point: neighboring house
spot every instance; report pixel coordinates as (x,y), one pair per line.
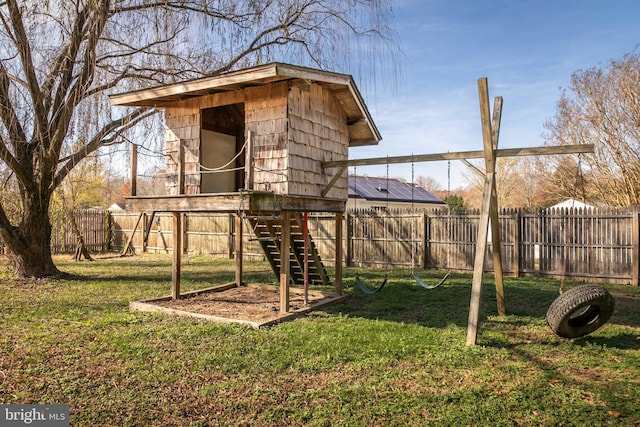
(367,192)
(116,207)
(572,204)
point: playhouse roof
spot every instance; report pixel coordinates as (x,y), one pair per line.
(388,189)
(362,129)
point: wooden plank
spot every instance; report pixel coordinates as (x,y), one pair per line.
(232,202)
(335,179)
(495,218)
(177,91)
(177,255)
(285,243)
(483,224)
(458,155)
(128,246)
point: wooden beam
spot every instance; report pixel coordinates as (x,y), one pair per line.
(458,155)
(147,231)
(285,243)
(333,181)
(177,255)
(233,202)
(496,239)
(473,167)
(483,224)
(128,247)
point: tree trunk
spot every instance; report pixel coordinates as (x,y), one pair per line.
(30,245)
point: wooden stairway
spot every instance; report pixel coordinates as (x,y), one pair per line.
(267,232)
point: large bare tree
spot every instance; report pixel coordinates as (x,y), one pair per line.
(58,59)
(602,107)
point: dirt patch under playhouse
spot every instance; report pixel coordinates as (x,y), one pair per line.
(255,305)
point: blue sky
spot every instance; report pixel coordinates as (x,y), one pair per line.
(527,49)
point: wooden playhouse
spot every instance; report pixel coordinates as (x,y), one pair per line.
(253,143)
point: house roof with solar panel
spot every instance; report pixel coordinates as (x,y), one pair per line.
(367,192)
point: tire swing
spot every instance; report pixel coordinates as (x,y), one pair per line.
(583,309)
(580,311)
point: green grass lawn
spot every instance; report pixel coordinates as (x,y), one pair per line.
(396,358)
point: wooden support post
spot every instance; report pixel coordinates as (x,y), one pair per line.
(238,250)
(305,256)
(147,231)
(483,224)
(338,268)
(145,227)
(134,170)
(128,246)
(495,217)
(177,255)
(285,248)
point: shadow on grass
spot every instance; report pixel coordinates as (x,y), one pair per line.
(403,300)
(625,340)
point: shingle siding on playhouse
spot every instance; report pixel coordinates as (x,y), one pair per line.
(298,118)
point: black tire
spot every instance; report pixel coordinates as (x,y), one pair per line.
(580,311)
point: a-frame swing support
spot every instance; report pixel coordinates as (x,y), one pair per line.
(489,210)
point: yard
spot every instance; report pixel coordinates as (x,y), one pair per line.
(394,358)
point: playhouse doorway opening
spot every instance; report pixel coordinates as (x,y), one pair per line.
(221,141)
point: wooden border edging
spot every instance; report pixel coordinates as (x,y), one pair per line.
(148,305)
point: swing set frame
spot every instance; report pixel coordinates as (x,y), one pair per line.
(489,209)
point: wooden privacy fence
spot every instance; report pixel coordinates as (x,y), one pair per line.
(95,227)
(601,245)
(598,244)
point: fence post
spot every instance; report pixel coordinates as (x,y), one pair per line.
(635,273)
(423,258)
(338,256)
(108,223)
(516,243)
(349,237)
(231,240)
